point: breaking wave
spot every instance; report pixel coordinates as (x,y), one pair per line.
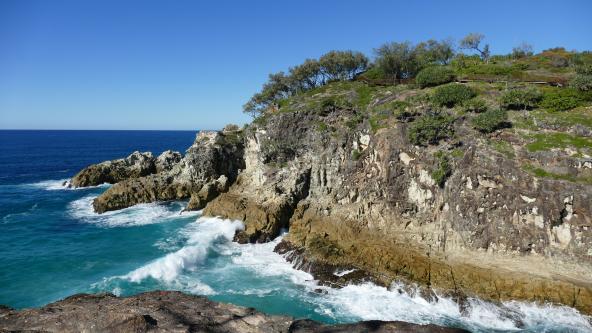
(60,184)
(187,267)
(137,215)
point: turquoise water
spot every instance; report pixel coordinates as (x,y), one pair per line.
(54,245)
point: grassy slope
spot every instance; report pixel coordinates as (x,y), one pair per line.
(537,130)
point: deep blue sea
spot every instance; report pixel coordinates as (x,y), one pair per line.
(53,245)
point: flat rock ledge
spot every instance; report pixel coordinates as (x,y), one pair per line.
(172,311)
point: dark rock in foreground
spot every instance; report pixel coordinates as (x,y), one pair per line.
(171,311)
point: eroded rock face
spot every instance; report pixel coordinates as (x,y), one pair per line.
(356,198)
(492,230)
(171,311)
(135,165)
(212,155)
(167,159)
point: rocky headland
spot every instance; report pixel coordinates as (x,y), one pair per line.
(355,193)
(469,178)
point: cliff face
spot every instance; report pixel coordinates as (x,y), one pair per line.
(492,230)
(169,311)
(354,192)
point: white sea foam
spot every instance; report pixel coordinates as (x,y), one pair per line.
(58,184)
(206,232)
(51,185)
(344,272)
(353,302)
(137,215)
(261,259)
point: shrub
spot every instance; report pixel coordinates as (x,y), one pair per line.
(443,169)
(452,94)
(561,100)
(430,129)
(434,76)
(521,99)
(400,109)
(476,105)
(490,121)
(582,82)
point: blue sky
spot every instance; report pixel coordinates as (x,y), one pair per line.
(193,64)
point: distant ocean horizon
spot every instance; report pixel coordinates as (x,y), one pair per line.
(53,245)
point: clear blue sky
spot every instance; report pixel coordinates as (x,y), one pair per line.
(192,64)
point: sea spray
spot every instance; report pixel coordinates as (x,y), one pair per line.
(208,231)
(137,215)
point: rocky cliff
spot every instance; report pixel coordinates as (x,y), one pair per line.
(506,215)
(162,311)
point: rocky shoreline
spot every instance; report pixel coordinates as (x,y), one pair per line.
(170,311)
(366,199)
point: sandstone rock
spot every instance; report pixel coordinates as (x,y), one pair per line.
(212,155)
(171,311)
(135,165)
(207,193)
(381,214)
(166,160)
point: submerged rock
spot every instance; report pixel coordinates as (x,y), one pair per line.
(171,311)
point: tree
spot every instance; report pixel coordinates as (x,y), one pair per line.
(433,52)
(522,51)
(473,41)
(307,75)
(396,60)
(342,65)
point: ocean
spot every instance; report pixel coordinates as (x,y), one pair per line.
(53,245)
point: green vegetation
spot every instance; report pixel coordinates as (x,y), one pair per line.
(473,41)
(333,66)
(398,61)
(583,79)
(399,109)
(430,129)
(475,105)
(490,121)
(561,99)
(452,94)
(350,91)
(542,173)
(443,168)
(502,147)
(546,141)
(355,155)
(522,51)
(434,76)
(581,116)
(521,99)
